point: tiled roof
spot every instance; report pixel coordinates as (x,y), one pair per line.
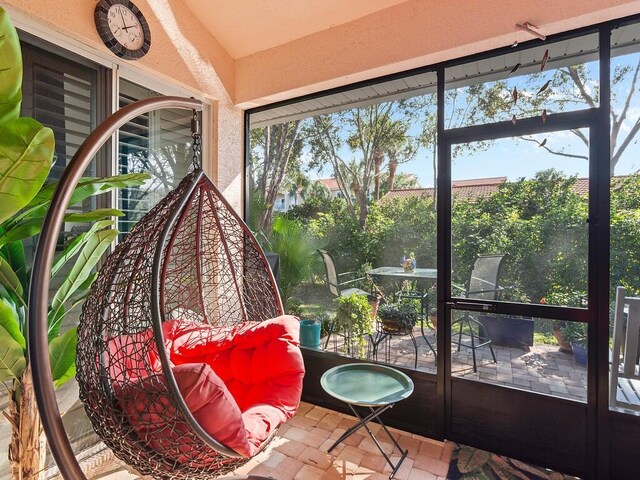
(472,189)
(468,189)
(330,183)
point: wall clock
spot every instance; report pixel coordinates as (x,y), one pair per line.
(123,28)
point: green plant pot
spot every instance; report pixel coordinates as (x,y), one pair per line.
(310,334)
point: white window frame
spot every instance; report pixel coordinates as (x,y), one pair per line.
(132,72)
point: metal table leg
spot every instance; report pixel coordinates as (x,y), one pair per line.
(362,422)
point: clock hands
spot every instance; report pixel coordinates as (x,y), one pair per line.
(124,23)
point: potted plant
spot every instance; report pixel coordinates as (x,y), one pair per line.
(397,318)
(354,320)
(576,334)
(28,152)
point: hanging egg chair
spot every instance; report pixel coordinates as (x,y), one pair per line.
(185,362)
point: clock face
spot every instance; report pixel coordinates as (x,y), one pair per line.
(123,28)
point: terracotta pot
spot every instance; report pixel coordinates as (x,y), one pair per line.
(392,327)
(433,318)
(564,345)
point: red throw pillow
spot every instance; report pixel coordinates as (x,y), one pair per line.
(207,398)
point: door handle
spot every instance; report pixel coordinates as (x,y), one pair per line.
(477,307)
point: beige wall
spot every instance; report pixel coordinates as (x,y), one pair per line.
(182,51)
(411,34)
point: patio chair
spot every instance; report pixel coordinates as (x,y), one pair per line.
(624,384)
(340,284)
(482,285)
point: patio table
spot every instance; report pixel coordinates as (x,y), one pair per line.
(375,387)
(421,276)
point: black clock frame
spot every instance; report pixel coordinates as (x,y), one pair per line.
(102,26)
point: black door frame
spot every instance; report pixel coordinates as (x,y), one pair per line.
(597,313)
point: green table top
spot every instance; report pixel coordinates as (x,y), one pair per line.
(366,384)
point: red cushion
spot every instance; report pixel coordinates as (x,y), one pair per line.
(260,362)
(255,368)
(206,397)
(133,357)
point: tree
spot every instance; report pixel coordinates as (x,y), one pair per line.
(374,134)
(470,105)
(575,86)
(275,153)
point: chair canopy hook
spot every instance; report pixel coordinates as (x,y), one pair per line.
(197,141)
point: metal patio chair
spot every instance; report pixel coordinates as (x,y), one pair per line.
(467,331)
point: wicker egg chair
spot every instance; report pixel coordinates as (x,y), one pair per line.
(190,261)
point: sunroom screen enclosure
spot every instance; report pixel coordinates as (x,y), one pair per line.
(502,154)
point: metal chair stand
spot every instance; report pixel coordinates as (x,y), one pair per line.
(476,341)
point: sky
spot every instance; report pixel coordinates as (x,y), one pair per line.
(516,158)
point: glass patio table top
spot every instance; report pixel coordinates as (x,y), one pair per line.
(366,384)
(399,272)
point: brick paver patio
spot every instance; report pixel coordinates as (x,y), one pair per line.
(540,368)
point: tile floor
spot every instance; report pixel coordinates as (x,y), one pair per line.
(300,452)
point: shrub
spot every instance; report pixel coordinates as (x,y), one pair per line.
(353,317)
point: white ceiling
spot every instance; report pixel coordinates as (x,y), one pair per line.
(244,27)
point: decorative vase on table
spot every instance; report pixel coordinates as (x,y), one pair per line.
(409,262)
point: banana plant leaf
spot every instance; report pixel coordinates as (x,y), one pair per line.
(89,256)
(55,318)
(12,359)
(10,69)
(13,253)
(76,244)
(32,226)
(10,321)
(62,356)
(9,280)
(89,186)
(26,153)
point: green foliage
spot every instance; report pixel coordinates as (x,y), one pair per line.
(10,69)
(26,154)
(539,223)
(62,357)
(12,357)
(353,316)
(312,207)
(625,232)
(297,250)
(576,333)
(293,306)
(404,315)
(26,148)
